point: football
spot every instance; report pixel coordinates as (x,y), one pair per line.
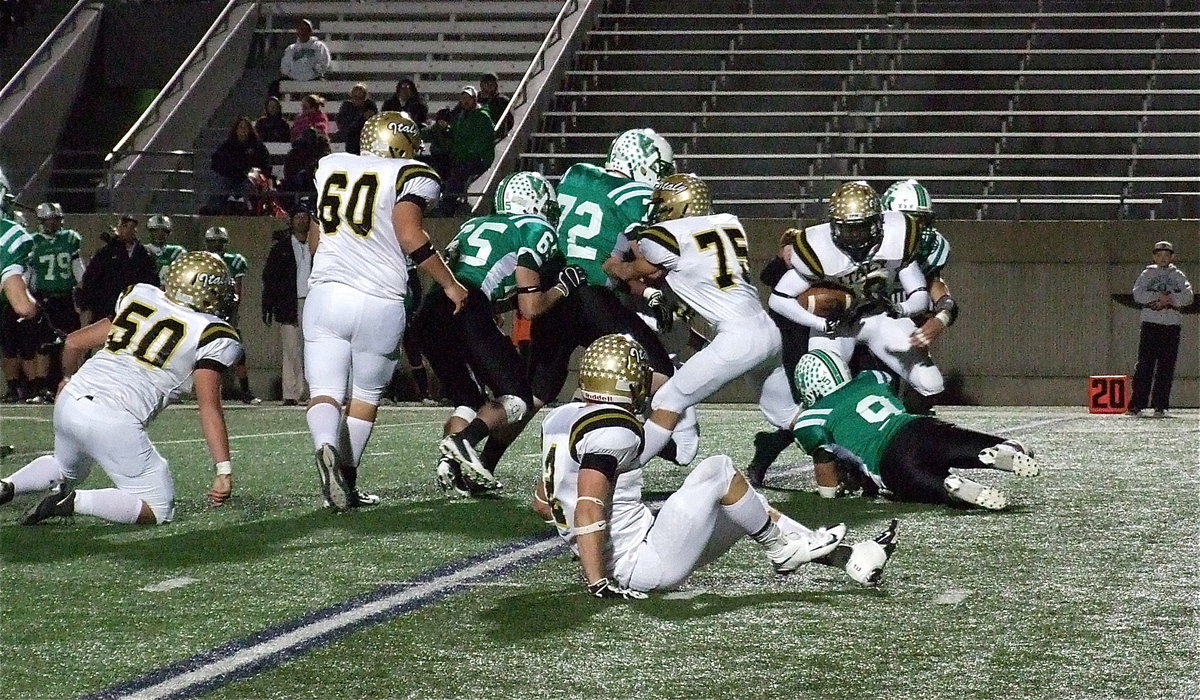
(826,300)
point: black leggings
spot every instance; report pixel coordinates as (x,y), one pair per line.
(920,457)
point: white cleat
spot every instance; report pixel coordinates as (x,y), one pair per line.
(801,548)
(1010,456)
(975,493)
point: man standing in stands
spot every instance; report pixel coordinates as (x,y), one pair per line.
(122,263)
(472,148)
(494,104)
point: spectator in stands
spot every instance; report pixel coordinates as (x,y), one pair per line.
(233,159)
(301,165)
(306,59)
(437,135)
(352,115)
(272,126)
(120,264)
(494,103)
(472,149)
(1162,289)
(408,100)
(285,286)
(312,114)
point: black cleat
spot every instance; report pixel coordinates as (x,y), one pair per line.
(59,504)
(6,492)
(334,489)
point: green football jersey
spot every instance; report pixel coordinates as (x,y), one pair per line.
(15,246)
(236,262)
(933,252)
(863,416)
(52,262)
(167,254)
(488,249)
(597,207)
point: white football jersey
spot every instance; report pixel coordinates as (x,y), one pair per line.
(706,259)
(358,245)
(816,257)
(575,429)
(150,353)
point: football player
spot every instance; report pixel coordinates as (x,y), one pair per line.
(591,491)
(866,250)
(216,240)
(370,210)
(55,270)
(705,258)
(909,455)
(495,258)
(164,253)
(932,254)
(16,304)
(159,342)
(599,208)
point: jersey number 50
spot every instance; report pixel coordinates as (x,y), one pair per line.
(156,345)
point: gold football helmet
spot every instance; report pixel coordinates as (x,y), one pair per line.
(200,280)
(856,219)
(678,196)
(391,135)
(613,369)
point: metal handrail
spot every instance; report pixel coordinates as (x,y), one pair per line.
(173,85)
(41,54)
(538,61)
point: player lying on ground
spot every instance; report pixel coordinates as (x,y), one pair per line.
(591,490)
(910,456)
(157,342)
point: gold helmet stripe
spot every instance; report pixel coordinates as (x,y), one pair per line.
(801,247)
(662,237)
(912,236)
(412,170)
(604,418)
(217,331)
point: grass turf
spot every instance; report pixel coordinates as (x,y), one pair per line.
(1085,588)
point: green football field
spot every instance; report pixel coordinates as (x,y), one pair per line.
(1085,588)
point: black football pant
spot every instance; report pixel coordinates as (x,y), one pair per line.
(1158,348)
(920,457)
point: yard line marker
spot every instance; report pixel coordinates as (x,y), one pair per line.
(295,432)
(276,645)
(170,584)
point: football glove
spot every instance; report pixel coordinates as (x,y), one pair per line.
(662,308)
(604,588)
(571,278)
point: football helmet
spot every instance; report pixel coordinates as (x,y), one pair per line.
(159,227)
(526,193)
(391,135)
(216,238)
(48,210)
(910,197)
(856,219)
(818,374)
(200,280)
(641,155)
(678,196)
(613,369)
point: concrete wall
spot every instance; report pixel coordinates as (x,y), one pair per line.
(1037,315)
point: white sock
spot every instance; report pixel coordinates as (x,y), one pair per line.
(38,475)
(787,524)
(750,515)
(360,432)
(657,438)
(687,436)
(324,420)
(114,505)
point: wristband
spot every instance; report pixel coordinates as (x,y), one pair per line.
(827,491)
(650,292)
(422,253)
(944,317)
(224,468)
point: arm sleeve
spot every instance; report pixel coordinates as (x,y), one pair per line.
(224,351)
(419,182)
(323,60)
(773,271)
(912,278)
(285,63)
(811,433)
(783,301)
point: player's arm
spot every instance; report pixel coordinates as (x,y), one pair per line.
(532,300)
(597,476)
(912,279)
(783,302)
(635,269)
(80,343)
(945,312)
(314,236)
(207,378)
(17,293)
(414,241)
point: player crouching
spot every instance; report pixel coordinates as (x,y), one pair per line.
(146,355)
(591,489)
(860,438)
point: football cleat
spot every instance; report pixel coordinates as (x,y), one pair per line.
(7,491)
(450,478)
(974,493)
(801,548)
(867,559)
(358,499)
(336,492)
(471,467)
(1010,456)
(59,504)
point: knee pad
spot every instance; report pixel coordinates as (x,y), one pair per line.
(370,396)
(926,379)
(716,468)
(466,413)
(514,407)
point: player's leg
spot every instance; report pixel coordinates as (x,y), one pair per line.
(1167,346)
(1143,373)
(327,326)
(888,339)
(29,340)
(69,459)
(916,465)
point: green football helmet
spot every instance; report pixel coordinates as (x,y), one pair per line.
(818,374)
(526,193)
(641,155)
(910,197)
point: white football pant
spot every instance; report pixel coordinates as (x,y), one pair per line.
(350,338)
(888,339)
